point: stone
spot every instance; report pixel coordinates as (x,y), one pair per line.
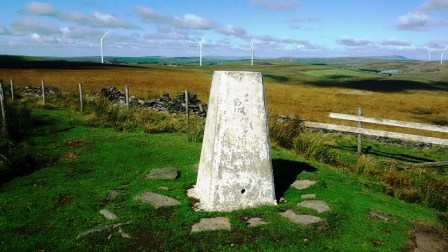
(301,219)
(156,200)
(235,169)
(113,194)
(102,228)
(303,184)
(318,205)
(108,214)
(375,214)
(163,173)
(211,224)
(256,221)
(308,196)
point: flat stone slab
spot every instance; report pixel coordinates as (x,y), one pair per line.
(301,219)
(163,173)
(108,214)
(156,200)
(308,196)
(303,184)
(211,224)
(375,214)
(318,205)
(256,221)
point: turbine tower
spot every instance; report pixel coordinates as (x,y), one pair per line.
(441,56)
(429,53)
(252,48)
(200,51)
(101,46)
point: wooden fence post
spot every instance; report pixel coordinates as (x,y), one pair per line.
(127,95)
(186,106)
(3,107)
(359,134)
(12,91)
(80,97)
(43,92)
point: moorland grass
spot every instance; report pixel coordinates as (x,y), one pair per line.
(49,208)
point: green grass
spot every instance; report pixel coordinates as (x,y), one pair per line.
(48,209)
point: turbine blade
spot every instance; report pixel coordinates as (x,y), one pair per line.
(105,34)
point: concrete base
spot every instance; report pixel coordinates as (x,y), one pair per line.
(235,169)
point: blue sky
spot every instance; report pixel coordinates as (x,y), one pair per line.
(280,28)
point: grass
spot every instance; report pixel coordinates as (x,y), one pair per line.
(48,209)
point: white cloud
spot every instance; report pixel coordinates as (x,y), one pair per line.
(150,16)
(232,30)
(96,20)
(39,8)
(350,41)
(274,4)
(431,5)
(191,21)
(25,27)
(416,21)
(188,21)
(395,42)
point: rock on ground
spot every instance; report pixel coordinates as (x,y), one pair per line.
(253,222)
(163,173)
(210,224)
(318,205)
(108,214)
(308,196)
(156,200)
(301,219)
(303,184)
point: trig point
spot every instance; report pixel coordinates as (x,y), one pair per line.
(235,169)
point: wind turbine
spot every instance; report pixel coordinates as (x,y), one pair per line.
(101,45)
(252,48)
(429,53)
(441,56)
(200,51)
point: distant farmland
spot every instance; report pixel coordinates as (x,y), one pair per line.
(309,91)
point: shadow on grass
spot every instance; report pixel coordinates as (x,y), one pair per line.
(400,157)
(279,78)
(382,85)
(286,172)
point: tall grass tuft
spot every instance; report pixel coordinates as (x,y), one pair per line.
(314,146)
(283,131)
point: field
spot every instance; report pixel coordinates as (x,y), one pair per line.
(53,208)
(310,91)
(70,161)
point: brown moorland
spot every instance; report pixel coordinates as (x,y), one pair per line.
(310,92)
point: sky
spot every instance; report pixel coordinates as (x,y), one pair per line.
(279,28)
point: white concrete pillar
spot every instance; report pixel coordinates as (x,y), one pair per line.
(235,169)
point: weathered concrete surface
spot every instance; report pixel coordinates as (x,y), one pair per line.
(235,169)
(210,224)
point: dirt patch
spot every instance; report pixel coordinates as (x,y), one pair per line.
(428,238)
(147,240)
(76,143)
(70,156)
(64,199)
